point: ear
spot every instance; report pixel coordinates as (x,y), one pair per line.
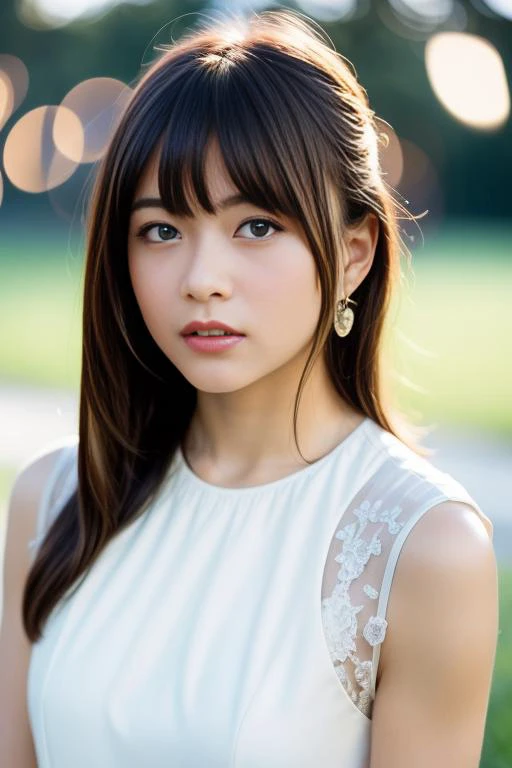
(360,241)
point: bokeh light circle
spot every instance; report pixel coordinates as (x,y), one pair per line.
(32,162)
(426,11)
(329,10)
(501,7)
(391,157)
(6,98)
(14,72)
(68,134)
(467,75)
(53,14)
(99,104)
(420,186)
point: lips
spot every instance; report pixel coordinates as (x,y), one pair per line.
(212,344)
(209,326)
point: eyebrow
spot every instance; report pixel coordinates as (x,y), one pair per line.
(156,202)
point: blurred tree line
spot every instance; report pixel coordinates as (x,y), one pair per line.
(473,167)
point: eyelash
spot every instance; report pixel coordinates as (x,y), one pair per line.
(143,231)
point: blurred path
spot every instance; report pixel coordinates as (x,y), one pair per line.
(483,464)
(32,418)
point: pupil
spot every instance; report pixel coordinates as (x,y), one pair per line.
(259,227)
(165,232)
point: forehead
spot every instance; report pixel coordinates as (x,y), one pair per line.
(217,179)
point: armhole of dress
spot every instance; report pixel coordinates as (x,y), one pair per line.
(452,491)
(57,490)
(361,563)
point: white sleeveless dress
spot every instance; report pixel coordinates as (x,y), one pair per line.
(233,628)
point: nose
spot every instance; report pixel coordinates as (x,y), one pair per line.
(206,273)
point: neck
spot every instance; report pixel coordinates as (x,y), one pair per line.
(246,437)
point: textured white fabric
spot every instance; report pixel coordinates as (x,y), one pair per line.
(233,628)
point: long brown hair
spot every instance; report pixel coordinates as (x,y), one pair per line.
(298,137)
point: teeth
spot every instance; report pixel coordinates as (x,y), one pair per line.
(213,332)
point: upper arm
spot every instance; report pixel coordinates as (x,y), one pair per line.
(16,745)
(438,656)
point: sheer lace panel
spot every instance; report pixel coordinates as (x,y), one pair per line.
(358,572)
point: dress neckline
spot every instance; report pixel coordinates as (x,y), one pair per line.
(300,474)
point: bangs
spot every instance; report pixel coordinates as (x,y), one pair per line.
(265,135)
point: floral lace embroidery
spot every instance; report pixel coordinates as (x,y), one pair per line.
(370,591)
(339,615)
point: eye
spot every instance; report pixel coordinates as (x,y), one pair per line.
(258,228)
(158,233)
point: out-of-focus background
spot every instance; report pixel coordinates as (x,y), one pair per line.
(438,74)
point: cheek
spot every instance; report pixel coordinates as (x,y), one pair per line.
(289,291)
(152,290)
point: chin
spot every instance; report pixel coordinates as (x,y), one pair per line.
(216,382)
(217,386)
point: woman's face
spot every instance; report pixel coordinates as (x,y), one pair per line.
(242,267)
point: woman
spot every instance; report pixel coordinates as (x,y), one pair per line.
(242,563)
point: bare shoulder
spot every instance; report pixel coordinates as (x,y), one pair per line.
(32,479)
(438,656)
(24,503)
(16,743)
(26,496)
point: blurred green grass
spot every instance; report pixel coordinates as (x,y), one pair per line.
(453,323)
(456,318)
(40,307)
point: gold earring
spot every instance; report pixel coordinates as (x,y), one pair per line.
(343,317)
